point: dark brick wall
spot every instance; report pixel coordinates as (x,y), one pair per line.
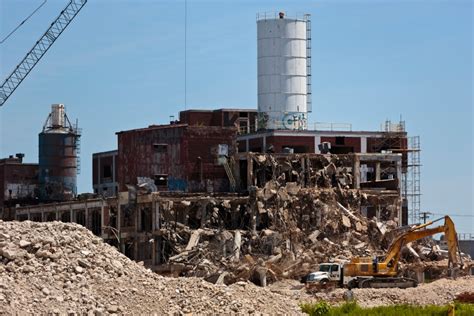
(299,143)
(190,151)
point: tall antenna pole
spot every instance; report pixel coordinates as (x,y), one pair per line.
(185,52)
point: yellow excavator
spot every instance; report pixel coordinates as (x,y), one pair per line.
(365,272)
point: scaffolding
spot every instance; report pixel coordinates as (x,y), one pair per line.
(393,141)
(412,188)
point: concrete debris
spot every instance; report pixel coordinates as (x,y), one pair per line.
(346,221)
(91,277)
(289,246)
(292,219)
(282,230)
(439,292)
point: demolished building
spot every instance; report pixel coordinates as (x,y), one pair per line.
(289,200)
(239,194)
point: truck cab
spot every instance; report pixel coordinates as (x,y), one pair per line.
(327,272)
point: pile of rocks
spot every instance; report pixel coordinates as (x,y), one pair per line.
(61,268)
(304,228)
(439,292)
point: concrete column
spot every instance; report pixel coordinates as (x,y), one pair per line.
(135,248)
(363,145)
(264,140)
(400,203)
(399,174)
(119,217)
(253,209)
(156,216)
(153,252)
(317,141)
(138,218)
(87,222)
(377,171)
(249,171)
(303,171)
(356,172)
(71,214)
(247,145)
(102,224)
(237,242)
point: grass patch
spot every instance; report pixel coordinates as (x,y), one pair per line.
(322,308)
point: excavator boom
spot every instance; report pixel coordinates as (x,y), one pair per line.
(368,272)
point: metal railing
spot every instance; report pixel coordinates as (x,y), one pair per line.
(270,15)
(247,129)
(465,236)
(388,126)
(329,126)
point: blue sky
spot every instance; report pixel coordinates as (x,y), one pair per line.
(120,65)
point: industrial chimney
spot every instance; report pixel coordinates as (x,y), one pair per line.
(284,71)
(58,156)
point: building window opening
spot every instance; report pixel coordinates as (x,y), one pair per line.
(160,148)
(340,140)
(96,222)
(81,218)
(161,180)
(107,171)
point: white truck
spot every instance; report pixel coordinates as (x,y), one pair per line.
(327,274)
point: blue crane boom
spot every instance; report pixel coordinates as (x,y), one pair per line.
(40,48)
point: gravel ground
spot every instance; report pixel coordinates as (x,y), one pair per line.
(63,268)
(439,292)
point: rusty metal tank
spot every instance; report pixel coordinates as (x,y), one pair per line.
(58,157)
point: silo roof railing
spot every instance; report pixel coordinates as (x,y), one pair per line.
(271,15)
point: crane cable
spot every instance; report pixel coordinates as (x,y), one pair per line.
(26,19)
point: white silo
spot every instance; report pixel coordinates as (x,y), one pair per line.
(284,92)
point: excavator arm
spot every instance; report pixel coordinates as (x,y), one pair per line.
(369,272)
(419,232)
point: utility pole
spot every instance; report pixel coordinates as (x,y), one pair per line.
(424,216)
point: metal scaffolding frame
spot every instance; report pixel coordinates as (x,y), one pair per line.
(412,180)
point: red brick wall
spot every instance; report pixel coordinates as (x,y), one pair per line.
(95,169)
(353,142)
(138,158)
(279,142)
(196,118)
(215,118)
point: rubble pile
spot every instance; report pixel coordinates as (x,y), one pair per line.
(281,231)
(286,231)
(62,268)
(438,292)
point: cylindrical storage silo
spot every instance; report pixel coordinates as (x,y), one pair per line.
(282,73)
(58,158)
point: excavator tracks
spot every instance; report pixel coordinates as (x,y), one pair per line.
(402,283)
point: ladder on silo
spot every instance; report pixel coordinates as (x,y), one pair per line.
(309,104)
(78,132)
